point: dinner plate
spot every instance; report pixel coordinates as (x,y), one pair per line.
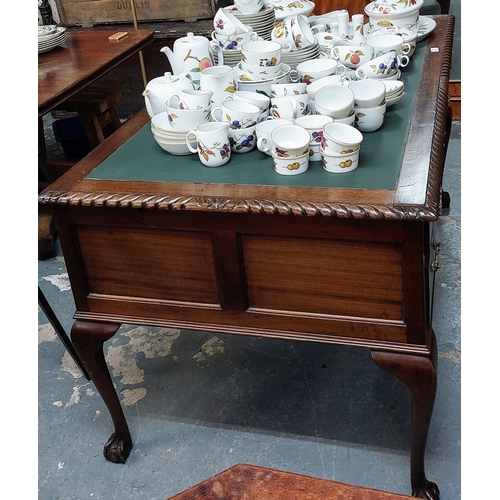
(59,30)
(426,25)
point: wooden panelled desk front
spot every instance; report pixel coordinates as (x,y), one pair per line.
(349,259)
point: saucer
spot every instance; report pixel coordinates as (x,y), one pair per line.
(426,25)
(285,8)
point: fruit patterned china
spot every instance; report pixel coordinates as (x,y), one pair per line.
(212,143)
(291,166)
(401,13)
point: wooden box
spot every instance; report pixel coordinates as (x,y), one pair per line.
(91,12)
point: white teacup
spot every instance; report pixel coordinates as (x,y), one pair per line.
(314,69)
(191,99)
(261,53)
(327,80)
(290,141)
(351,56)
(340,163)
(212,143)
(370,119)
(242,140)
(238,114)
(183,120)
(368,92)
(285,89)
(289,107)
(291,166)
(226,24)
(314,125)
(234,42)
(336,101)
(263,131)
(248,7)
(384,43)
(259,100)
(382,66)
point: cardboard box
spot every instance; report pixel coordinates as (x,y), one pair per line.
(92,12)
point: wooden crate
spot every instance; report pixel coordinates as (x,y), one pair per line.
(92,12)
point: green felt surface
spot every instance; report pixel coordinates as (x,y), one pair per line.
(381,153)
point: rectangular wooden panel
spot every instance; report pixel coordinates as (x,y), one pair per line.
(148,263)
(333,277)
(90,12)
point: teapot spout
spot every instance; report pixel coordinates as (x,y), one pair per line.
(174,61)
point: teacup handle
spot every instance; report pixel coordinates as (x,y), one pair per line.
(341,69)
(228,98)
(359,74)
(286,48)
(403,61)
(334,53)
(170,103)
(262,144)
(212,113)
(188,142)
(318,28)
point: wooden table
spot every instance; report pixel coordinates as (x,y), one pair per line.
(348,259)
(82,59)
(243,481)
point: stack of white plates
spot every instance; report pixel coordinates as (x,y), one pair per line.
(230,57)
(295,57)
(394,91)
(167,138)
(262,22)
(50,37)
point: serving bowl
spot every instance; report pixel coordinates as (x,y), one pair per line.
(383,13)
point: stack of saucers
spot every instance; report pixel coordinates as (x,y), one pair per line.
(262,22)
(229,57)
(50,37)
(294,57)
(394,91)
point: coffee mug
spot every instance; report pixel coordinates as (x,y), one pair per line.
(212,143)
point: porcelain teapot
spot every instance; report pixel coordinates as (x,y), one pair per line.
(159,90)
(191,54)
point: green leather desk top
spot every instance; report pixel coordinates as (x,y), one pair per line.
(381,154)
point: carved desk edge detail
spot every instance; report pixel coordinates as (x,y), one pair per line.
(438,152)
(254,206)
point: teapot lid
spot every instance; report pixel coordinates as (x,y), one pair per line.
(191,38)
(388,7)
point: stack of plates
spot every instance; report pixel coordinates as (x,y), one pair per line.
(295,57)
(50,37)
(167,138)
(230,57)
(262,23)
(394,91)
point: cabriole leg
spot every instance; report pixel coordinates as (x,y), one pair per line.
(88,339)
(419,374)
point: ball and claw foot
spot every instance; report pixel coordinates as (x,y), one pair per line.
(117,449)
(428,490)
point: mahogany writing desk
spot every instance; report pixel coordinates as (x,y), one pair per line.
(349,259)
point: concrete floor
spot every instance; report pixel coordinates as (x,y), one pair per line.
(197,403)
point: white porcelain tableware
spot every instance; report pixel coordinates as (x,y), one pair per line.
(350,55)
(248,6)
(289,141)
(291,166)
(368,92)
(212,143)
(327,80)
(183,120)
(340,164)
(314,125)
(259,100)
(340,138)
(242,140)
(220,80)
(191,99)
(226,23)
(336,101)
(238,114)
(309,71)
(389,13)
(369,119)
(234,42)
(261,53)
(385,42)
(285,89)
(263,131)
(380,67)
(289,107)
